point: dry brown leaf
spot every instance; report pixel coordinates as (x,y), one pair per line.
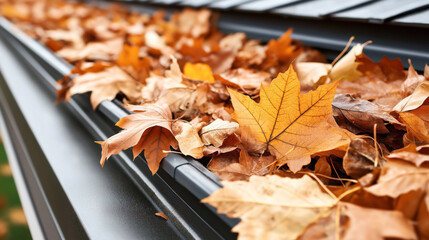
(310,73)
(417,122)
(348,221)
(217,131)
(292,125)
(73,38)
(248,80)
(156,85)
(347,67)
(415,100)
(361,158)
(148,129)
(252,53)
(104,85)
(271,207)
(360,115)
(194,22)
(411,153)
(373,89)
(408,186)
(104,51)
(190,143)
(413,80)
(228,167)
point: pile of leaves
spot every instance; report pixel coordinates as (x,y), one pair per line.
(306,149)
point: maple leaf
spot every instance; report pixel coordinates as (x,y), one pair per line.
(130,61)
(271,207)
(282,49)
(104,85)
(292,125)
(148,129)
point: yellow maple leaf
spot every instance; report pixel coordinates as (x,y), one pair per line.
(292,125)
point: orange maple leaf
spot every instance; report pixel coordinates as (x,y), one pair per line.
(198,71)
(292,125)
(149,129)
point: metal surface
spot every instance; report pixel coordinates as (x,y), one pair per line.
(263,5)
(226,4)
(74,198)
(380,11)
(420,18)
(192,219)
(319,8)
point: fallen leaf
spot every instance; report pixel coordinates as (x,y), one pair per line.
(292,125)
(148,129)
(104,85)
(417,122)
(323,169)
(160,214)
(361,158)
(248,80)
(226,166)
(373,89)
(348,221)
(282,50)
(194,22)
(104,51)
(217,131)
(386,70)
(310,73)
(347,67)
(415,100)
(361,115)
(412,153)
(252,53)
(198,71)
(190,143)
(408,185)
(413,80)
(271,207)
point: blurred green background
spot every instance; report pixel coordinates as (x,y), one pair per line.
(13,224)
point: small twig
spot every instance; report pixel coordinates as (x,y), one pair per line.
(344,51)
(322,185)
(376,161)
(336,173)
(172,152)
(348,192)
